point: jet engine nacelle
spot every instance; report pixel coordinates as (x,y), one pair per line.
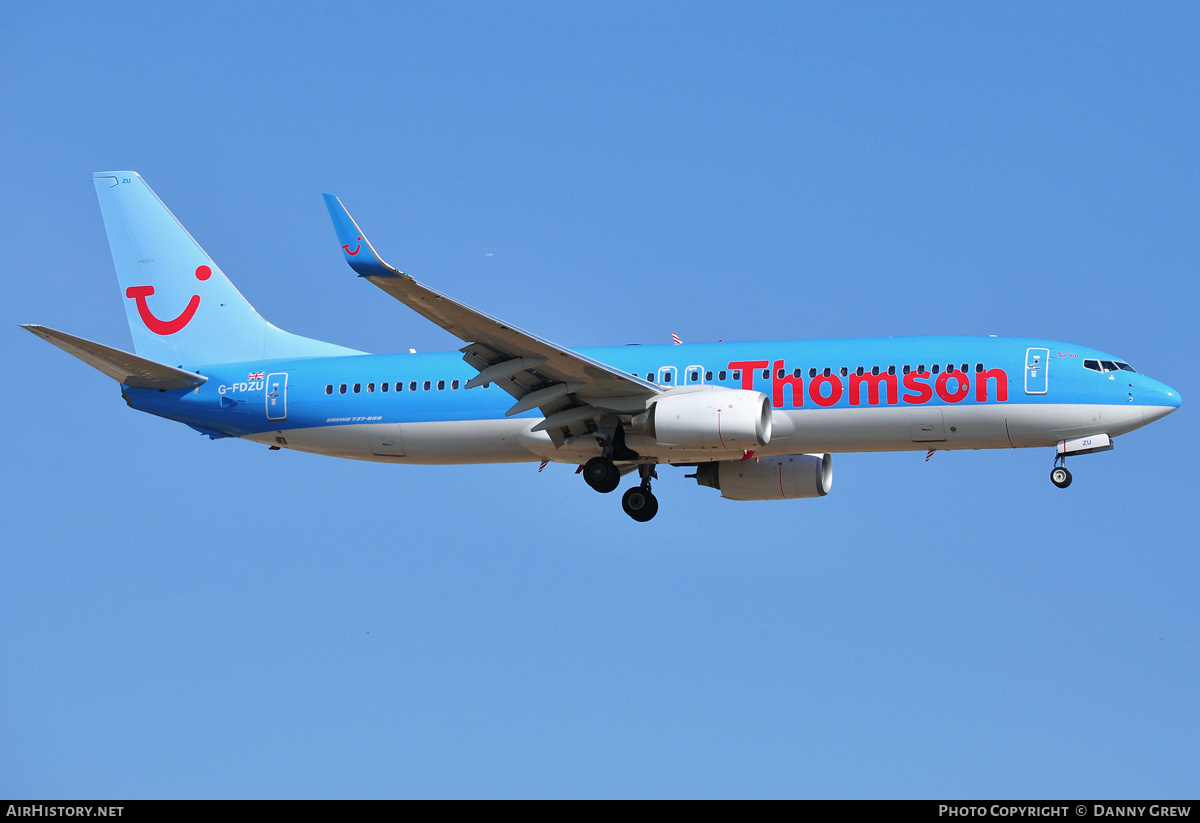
(720,419)
(770,478)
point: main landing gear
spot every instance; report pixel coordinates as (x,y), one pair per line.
(602,474)
(1059,475)
(639,502)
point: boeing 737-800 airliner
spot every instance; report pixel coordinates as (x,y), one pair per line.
(757,421)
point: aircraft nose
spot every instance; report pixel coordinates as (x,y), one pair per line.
(1160,401)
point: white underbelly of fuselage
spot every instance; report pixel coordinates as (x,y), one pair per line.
(796,432)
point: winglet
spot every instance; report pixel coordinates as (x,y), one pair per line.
(359,252)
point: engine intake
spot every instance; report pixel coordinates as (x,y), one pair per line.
(770,478)
(719,419)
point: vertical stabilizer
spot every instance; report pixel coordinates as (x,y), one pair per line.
(181,308)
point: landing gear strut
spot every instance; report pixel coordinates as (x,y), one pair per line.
(639,502)
(1059,475)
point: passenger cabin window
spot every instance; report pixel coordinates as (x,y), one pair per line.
(708,377)
(891,369)
(342,389)
(412,386)
(721,375)
(906,369)
(845,371)
(357,388)
(384,386)
(454,385)
(426,385)
(329,389)
(441,385)
(767,373)
(737,374)
(795,372)
(978,367)
(935,368)
(694,376)
(874,370)
(370,388)
(826,372)
(859,371)
(812,373)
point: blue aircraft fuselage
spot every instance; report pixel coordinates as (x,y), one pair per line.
(956,375)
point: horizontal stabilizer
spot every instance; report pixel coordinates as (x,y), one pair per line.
(123,367)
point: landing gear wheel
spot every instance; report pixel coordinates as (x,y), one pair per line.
(601,474)
(640,504)
(1060,477)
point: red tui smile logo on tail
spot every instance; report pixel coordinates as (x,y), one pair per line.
(165,327)
(357,248)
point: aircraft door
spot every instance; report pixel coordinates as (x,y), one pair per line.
(1037,365)
(277,396)
(666,377)
(693,376)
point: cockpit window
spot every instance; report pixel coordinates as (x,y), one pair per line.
(1106,366)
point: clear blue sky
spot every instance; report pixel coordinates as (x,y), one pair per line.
(180,617)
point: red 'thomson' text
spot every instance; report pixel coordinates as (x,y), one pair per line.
(873,389)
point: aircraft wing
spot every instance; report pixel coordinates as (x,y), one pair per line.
(566,386)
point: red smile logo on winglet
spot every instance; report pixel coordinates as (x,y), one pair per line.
(165,327)
(356,248)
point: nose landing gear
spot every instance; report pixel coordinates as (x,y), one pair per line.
(1091,444)
(1059,475)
